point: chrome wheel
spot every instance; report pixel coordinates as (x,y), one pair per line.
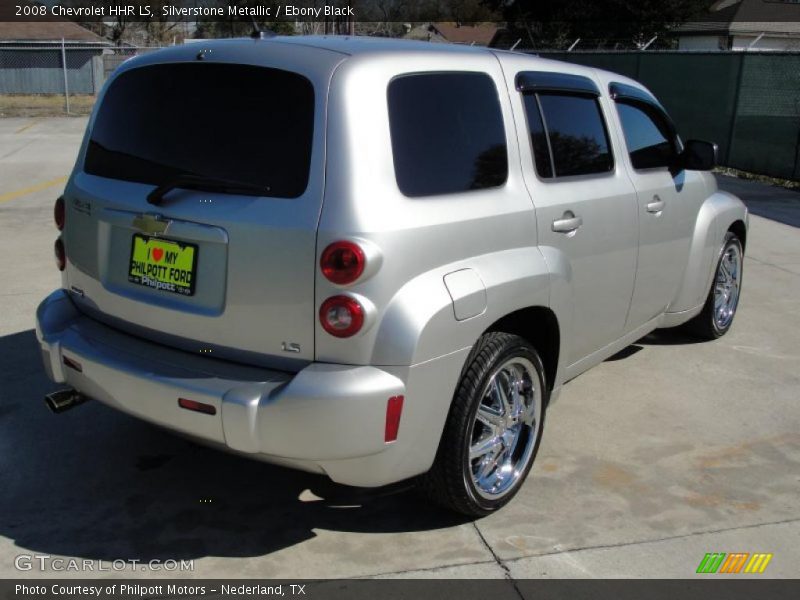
(493,429)
(726,286)
(506,427)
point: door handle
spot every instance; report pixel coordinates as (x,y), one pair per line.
(568,223)
(656,206)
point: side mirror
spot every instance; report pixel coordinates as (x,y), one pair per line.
(699,155)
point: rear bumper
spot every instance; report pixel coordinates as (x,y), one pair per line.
(326,418)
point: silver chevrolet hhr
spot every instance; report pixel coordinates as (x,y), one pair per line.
(372,259)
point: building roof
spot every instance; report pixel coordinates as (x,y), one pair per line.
(479,34)
(48,31)
(726,17)
(425,33)
(466,33)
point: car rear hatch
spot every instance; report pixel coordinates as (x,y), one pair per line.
(193,209)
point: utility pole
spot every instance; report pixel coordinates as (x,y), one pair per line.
(64,64)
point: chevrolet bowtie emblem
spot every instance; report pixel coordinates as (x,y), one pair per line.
(151,224)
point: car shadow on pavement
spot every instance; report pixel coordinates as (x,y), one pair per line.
(626,352)
(659,337)
(675,336)
(97,484)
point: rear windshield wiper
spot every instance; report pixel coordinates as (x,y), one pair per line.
(193,181)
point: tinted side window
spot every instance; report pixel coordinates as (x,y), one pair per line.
(447,133)
(647,135)
(577,134)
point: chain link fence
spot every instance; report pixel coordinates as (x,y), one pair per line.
(56,78)
(746,102)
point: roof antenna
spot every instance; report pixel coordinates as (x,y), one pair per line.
(260,34)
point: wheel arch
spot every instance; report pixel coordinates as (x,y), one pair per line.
(539,326)
(739,228)
(420,322)
(721,212)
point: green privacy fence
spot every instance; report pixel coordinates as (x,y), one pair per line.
(747,102)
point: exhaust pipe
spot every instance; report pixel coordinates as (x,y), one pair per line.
(63,400)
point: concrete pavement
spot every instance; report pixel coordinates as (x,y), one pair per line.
(667,451)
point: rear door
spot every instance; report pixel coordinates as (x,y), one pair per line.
(585,205)
(224,268)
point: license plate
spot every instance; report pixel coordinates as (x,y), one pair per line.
(163,264)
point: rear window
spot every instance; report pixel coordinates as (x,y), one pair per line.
(447,133)
(240,123)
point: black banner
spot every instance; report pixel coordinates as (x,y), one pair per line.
(394,589)
(605,13)
(88,11)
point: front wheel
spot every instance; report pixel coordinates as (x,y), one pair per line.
(494,427)
(723,298)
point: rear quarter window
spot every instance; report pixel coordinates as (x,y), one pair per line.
(447,133)
(241,123)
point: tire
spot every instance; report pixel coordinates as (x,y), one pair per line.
(507,432)
(718,312)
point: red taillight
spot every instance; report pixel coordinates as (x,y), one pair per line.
(59,213)
(342,262)
(196,406)
(341,316)
(61,255)
(394,408)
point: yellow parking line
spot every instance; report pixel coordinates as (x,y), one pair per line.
(28,126)
(31,189)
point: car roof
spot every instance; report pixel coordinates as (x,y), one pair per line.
(368,47)
(359,45)
(355,45)
(376,46)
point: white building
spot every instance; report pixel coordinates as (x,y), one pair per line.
(744,25)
